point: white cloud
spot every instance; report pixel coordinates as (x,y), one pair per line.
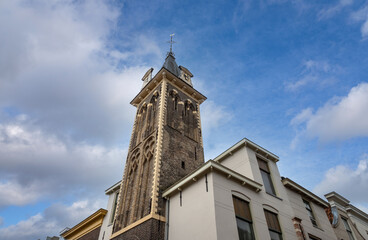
(314,73)
(212,115)
(340,118)
(351,183)
(362,16)
(333,10)
(57,66)
(51,221)
(35,165)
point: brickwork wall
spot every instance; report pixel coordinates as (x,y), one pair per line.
(297,223)
(135,193)
(149,230)
(181,153)
(93,235)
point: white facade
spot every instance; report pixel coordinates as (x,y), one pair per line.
(201,205)
(106,228)
(355,218)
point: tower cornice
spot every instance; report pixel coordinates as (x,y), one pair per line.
(157,79)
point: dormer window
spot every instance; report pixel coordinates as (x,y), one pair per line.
(185,74)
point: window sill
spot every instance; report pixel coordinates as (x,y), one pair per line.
(274,196)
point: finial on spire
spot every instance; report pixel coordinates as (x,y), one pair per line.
(171,43)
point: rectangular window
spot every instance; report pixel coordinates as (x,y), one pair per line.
(266,176)
(310,213)
(243,219)
(114,207)
(273,225)
(347,227)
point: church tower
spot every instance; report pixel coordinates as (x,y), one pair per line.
(166,144)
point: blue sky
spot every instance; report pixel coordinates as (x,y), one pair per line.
(289,75)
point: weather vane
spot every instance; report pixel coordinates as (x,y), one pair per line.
(171,41)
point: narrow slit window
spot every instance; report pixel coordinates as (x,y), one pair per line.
(182,164)
(195,153)
(181,199)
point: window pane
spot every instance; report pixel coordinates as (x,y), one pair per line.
(347,227)
(266,177)
(275,236)
(346,224)
(350,236)
(245,230)
(310,213)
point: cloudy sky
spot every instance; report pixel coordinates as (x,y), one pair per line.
(291,76)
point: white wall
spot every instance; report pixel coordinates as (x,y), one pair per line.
(106,228)
(195,219)
(239,162)
(361,225)
(324,230)
(225,216)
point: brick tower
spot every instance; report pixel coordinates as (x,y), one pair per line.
(166,144)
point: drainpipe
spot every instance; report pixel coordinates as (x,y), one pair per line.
(167,218)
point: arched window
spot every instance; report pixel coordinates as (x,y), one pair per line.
(243,218)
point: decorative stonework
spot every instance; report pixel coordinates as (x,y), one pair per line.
(157,164)
(166,144)
(297,222)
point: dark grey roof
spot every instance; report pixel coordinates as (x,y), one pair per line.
(171,65)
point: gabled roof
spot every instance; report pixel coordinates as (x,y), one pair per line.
(113,188)
(304,192)
(250,144)
(208,167)
(87,225)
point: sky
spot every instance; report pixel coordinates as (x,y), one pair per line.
(291,76)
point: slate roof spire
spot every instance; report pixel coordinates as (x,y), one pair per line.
(170,63)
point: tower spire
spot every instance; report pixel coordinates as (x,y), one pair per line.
(171,43)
